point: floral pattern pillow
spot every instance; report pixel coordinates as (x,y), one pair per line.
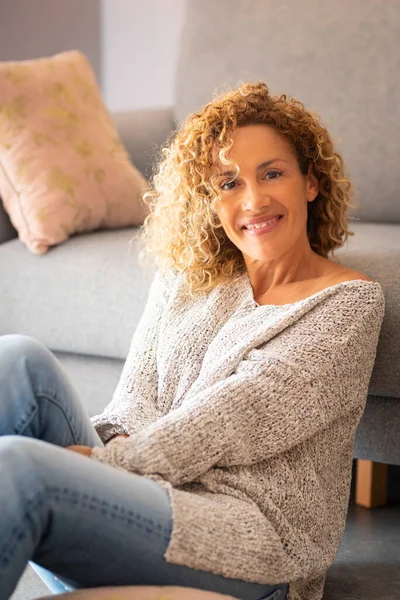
(63,169)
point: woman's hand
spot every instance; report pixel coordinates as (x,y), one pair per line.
(85,450)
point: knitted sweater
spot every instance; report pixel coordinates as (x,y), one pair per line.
(247,414)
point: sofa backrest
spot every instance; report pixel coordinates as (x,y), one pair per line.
(340,58)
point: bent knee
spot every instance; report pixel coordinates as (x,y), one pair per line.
(20,451)
(26,461)
(20,343)
(17,346)
(35,465)
(25,468)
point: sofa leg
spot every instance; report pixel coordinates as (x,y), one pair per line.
(371,483)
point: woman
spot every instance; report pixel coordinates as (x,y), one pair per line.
(229,439)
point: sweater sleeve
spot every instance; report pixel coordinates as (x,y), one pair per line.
(140,368)
(267,406)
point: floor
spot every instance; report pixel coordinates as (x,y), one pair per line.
(367,566)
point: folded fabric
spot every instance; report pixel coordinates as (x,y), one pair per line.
(63,169)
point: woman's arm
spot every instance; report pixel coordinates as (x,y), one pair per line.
(266,407)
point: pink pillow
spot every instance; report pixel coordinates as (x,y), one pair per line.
(63,169)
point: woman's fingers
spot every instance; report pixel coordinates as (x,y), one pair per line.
(85,450)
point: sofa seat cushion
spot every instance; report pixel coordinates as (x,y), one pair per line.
(85,296)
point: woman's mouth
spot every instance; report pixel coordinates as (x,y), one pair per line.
(260,228)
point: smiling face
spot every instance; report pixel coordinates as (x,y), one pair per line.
(269,183)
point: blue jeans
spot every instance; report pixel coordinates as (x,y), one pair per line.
(83,521)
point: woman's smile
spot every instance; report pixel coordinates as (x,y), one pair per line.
(262,228)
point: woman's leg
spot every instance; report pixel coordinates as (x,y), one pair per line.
(37,400)
(36,397)
(89,522)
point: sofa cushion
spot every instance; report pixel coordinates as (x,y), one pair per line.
(339,58)
(86,296)
(63,168)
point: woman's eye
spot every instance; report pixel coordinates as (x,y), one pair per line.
(232,184)
(277,173)
(227,185)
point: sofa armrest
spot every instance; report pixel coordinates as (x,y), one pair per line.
(143,132)
(7,231)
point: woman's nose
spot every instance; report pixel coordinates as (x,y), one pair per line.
(254,197)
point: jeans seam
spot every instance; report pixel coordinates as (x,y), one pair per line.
(19,430)
(18,533)
(55,402)
(87,501)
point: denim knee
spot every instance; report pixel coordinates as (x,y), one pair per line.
(19,344)
(18,454)
(22,482)
(25,476)
(23,505)
(24,354)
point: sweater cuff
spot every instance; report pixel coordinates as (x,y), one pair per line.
(105,429)
(133,454)
(114,454)
(107,454)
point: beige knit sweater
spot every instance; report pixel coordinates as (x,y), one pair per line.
(247,415)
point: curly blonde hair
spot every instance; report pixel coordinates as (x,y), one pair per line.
(182,230)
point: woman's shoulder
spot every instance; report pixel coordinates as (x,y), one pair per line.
(339,273)
(373,292)
(347,275)
(336,274)
(353,292)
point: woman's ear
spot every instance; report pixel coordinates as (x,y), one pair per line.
(311,185)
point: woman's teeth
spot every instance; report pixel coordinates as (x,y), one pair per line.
(261,225)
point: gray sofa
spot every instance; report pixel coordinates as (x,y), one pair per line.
(84,298)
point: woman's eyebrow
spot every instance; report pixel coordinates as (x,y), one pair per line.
(259,168)
(269,162)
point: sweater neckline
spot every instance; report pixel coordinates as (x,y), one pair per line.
(249,294)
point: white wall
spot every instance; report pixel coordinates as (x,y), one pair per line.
(35,28)
(139,49)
